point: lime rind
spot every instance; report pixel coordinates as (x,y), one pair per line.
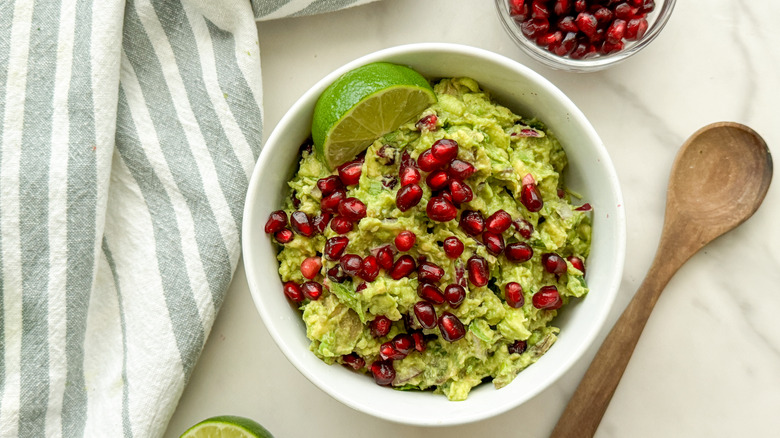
(227,426)
(364,104)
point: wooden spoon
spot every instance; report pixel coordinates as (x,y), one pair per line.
(718,180)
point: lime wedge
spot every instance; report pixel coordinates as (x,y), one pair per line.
(227,426)
(363,105)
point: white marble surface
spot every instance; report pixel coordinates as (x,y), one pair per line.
(708,363)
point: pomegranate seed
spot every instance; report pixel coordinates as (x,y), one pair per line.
(352,360)
(312,290)
(383,372)
(409,175)
(478,270)
(341,225)
(553,263)
(586,23)
(349,173)
(310,267)
(583,51)
(584,207)
(461,192)
(403,343)
(530,197)
(429,272)
(454,294)
(351,264)
(386,155)
(539,9)
(408,196)
(636,28)
(337,275)
(445,150)
(429,292)
(608,47)
(440,209)
(419,340)
(451,328)
(453,247)
(385,257)
(577,263)
(425,314)
(616,31)
(493,242)
(523,227)
(550,39)
(498,222)
(334,247)
(580,5)
(361,287)
(388,351)
(513,293)
(624,11)
(603,15)
(403,267)
(534,27)
(301,223)
(519,252)
(567,24)
(461,169)
(380,326)
(320,222)
(404,241)
(370,269)
(330,203)
(562,7)
(329,185)
(437,180)
(352,209)
(517,347)
(428,162)
(547,298)
(293,291)
(276,222)
(472,222)
(284,236)
(427,123)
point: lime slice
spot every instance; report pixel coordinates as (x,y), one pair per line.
(363,105)
(227,426)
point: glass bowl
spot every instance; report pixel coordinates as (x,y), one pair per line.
(656,21)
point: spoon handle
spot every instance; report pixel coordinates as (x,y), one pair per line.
(583,414)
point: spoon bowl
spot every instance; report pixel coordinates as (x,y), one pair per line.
(719,179)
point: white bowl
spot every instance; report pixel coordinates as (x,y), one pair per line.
(590,173)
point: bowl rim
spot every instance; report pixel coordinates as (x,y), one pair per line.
(581,65)
(265,159)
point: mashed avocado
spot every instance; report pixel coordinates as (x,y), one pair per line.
(507,152)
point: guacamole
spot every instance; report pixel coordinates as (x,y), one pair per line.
(518,254)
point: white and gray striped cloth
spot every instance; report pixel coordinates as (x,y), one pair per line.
(128,132)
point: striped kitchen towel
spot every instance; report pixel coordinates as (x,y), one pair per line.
(128,132)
